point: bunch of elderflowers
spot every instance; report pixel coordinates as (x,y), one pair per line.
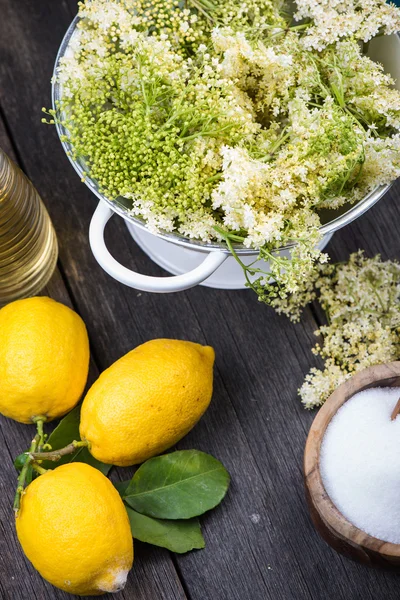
(331,20)
(223,121)
(186,24)
(149,124)
(361,299)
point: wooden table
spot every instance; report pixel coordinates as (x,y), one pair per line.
(261,544)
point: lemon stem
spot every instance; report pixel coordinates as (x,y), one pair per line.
(39,469)
(57,454)
(24,471)
(39,420)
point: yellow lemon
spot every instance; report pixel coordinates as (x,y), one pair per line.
(147,401)
(73,527)
(44,359)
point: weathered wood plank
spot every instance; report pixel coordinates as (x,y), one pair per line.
(275,425)
(261,357)
(5,142)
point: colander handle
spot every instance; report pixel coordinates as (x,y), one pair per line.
(135,280)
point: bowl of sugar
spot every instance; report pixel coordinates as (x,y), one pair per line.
(352,467)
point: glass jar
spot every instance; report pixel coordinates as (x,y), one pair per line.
(28,243)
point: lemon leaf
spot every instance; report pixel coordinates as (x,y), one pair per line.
(66,432)
(179,485)
(177,536)
(121,487)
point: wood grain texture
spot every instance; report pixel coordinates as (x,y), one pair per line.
(340,533)
(5,142)
(260,541)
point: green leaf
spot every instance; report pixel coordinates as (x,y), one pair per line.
(66,432)
(122,486)
(180,485)
(177,536)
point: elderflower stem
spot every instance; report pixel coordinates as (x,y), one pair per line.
(215,177)
(247,269)
(202,6)
(275,147)
(299,27)
(210,133)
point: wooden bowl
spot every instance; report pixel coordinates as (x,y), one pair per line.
(342,535)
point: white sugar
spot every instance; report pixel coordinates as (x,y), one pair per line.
(360,462)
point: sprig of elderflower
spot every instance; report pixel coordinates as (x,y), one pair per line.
(186,24)
(333,20)
(361,299)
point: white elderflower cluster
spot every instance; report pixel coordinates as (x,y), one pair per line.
(333,20)
(242,193)
(362,301)
(264,72)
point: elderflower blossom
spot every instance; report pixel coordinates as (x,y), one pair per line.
(333,20)
(361,298)
(221,122)
(265,73)
(186,25)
